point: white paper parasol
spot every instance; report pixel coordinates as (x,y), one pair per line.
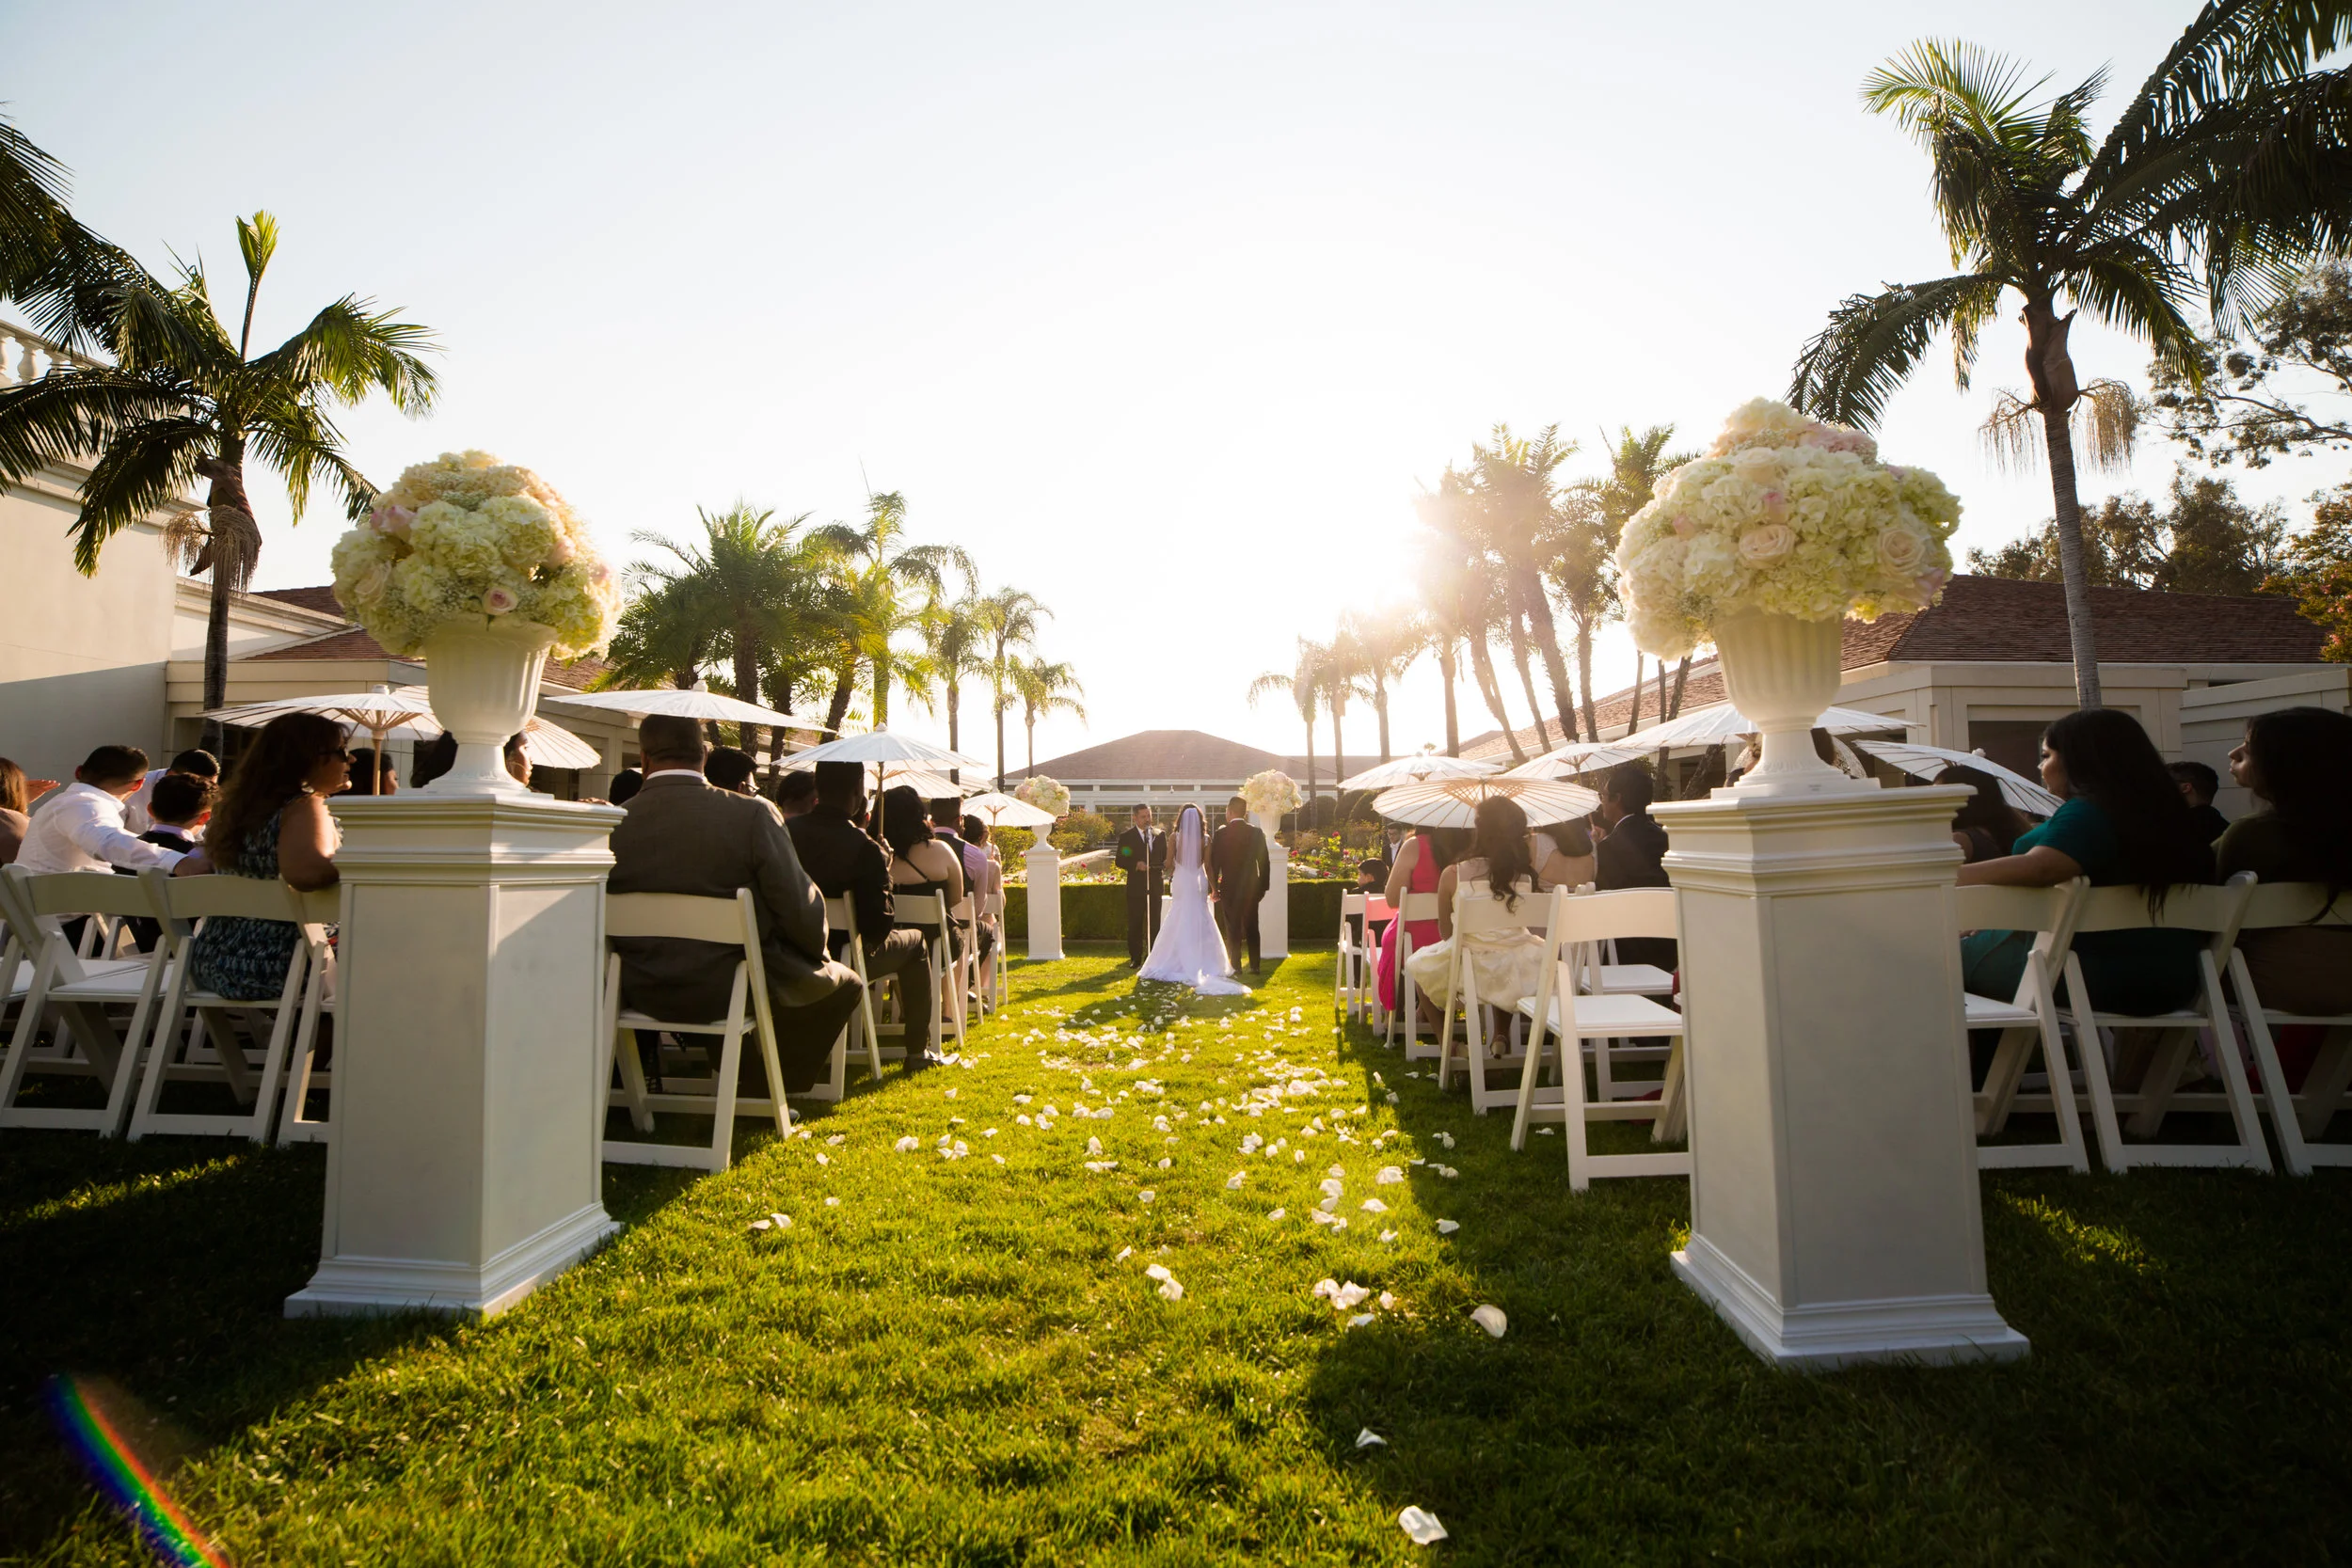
(1577,756)
(553,746)
(1418,768)
(679,703)
(1003,811)
(895,753)
(380,710)
(1454,803)
(1926,762)
(1721,723)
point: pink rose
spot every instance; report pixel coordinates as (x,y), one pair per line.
(1775,505)
(1683,527)
(391,519)
(497,601)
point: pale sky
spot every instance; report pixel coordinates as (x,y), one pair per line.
(1164,316)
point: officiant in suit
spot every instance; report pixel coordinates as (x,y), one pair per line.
(1239,869)
(1142,854)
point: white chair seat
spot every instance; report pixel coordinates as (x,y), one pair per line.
(1985,1012)
(1633,980)
(1609,1015)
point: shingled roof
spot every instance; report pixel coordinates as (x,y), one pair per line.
(321,598)
(1168,755)
(2006,621)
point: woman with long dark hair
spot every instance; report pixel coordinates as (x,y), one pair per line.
(1986,827)
(2298,763)
(920,864)
(270,822)
(2124,823)
(1502,864)
(12,810)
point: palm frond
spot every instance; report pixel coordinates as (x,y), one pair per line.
(352,352)
(1871,342)
(2105,423)
(2231,47)
(69,414)
(145,467)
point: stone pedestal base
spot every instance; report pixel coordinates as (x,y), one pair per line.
(469,1077)
(1835,1215)
(1041,867)
(1274,910)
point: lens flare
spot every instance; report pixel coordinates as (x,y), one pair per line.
(126,1480)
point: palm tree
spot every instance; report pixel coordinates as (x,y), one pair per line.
(1518,516)
(1044,689)
(1010,618)
(65,278)
(663,637)
(954,641)
(1389,642)
(868,598)
(2234,158)
(747,593)
(1593,516)
(1304,682)
(1457,588)
(184,401)
(1341,663)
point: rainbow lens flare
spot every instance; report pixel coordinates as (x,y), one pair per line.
(126,1482)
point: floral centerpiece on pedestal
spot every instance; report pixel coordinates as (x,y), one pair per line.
(483,569)
(1272,794)
(1763,546)
(1047,794)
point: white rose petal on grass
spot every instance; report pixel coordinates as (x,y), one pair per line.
(823,1161)
(1278,1213)
(1094,1145)
(1330,1186)
(1446,1138)
(1387,1235)
(837,1140)
(1372,1205)
(1388,1302)
(783,1222)
(1233,1183)
(1369,1439)
(1492,1320)
(761,1225)
(998,1158)
(908,1144)
(1170,1291)
(1545,1133)
(1447,1227)
(1389,1176)
(1157,1271)
(1421,1526)
(1359,1320)
(1147,1194)
(833,1203)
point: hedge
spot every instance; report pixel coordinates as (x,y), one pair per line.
(1097,912)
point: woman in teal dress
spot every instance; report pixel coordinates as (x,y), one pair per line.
(271,823)
(2124,823)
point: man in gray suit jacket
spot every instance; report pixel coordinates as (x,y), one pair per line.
(681,836)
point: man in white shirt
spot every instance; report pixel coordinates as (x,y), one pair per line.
(136,816)
(80,828)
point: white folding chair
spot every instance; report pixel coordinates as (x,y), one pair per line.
(1477,913)
(1350,967)
(998,989)
(841,915)
(181,903)
(2214,911)
(927,912)
(1557,1009)
(79,991)
(727,922)
(295,1124)
(2299,1118)
(969,994)
(2029,1022)
(1417,907)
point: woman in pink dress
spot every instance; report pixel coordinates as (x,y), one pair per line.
(1421,860)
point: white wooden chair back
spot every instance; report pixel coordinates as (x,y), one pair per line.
(2029,1022)
(841,917)
(1000,988)
(1348,967)
(320,909)
(928,912)
(1416,909)
(2214,912)
(728,922)
(2299,1117)
(1479,913)
(79,989)
(180,905)
(1559,1011)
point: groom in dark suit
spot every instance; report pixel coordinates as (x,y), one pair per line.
(1143,856)
(1238,873)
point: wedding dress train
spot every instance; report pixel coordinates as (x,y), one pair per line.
(1190,949)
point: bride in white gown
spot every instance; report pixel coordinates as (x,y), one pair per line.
(1190,950)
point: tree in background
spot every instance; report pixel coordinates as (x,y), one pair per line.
(2244,405)
(2207,540)
(1304,682)
(2315,567)
(883,586)
(1388,644)
(1584,573)
(2233,158)
(1043,689)
(184,401)
(1460,596)
(1011,618)
(955,642)
(1515,491)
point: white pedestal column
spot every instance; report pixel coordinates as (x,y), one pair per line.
(1274,910)
(1835,1210)
(1042,869)
(468,1081)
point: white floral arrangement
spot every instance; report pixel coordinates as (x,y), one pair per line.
(1784,514)
(1272,793)
(467,535)
(1047,794)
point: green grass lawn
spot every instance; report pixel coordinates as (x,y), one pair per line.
(956,1364)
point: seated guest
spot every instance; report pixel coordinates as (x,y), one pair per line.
(180,806)
(1421,861)
(795,793)
(12,803)
(1631,852)
(270,822)
(2124,823)
(1986,827)
(947,827)
(919,864)
(202,764)
(372,772)
(845,864)
(1501,860)
(2197,783)
(1564,854)
(1372,881)
(440,755)
(81,827)
(680,835)
(626,783)
(730,767)
(2297,763)
(990,882)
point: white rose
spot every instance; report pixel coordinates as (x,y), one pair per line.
(1768,543)
(1902,549)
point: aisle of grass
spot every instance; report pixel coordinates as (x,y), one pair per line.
(953,1363)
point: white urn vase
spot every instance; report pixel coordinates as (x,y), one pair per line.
(1781,673)
(482,673)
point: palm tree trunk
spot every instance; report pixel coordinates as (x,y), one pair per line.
(1311,759)
(1031,720)
(1483,666)
(1585,675)
(747,685)
(881,690)
(1548,644)
(235,541)
(1380,707)
(1682,679)
(838,709)
(1448,672)
(1527,675)
(1633,720)
(2068,507)
(955,701)
(1339,756)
